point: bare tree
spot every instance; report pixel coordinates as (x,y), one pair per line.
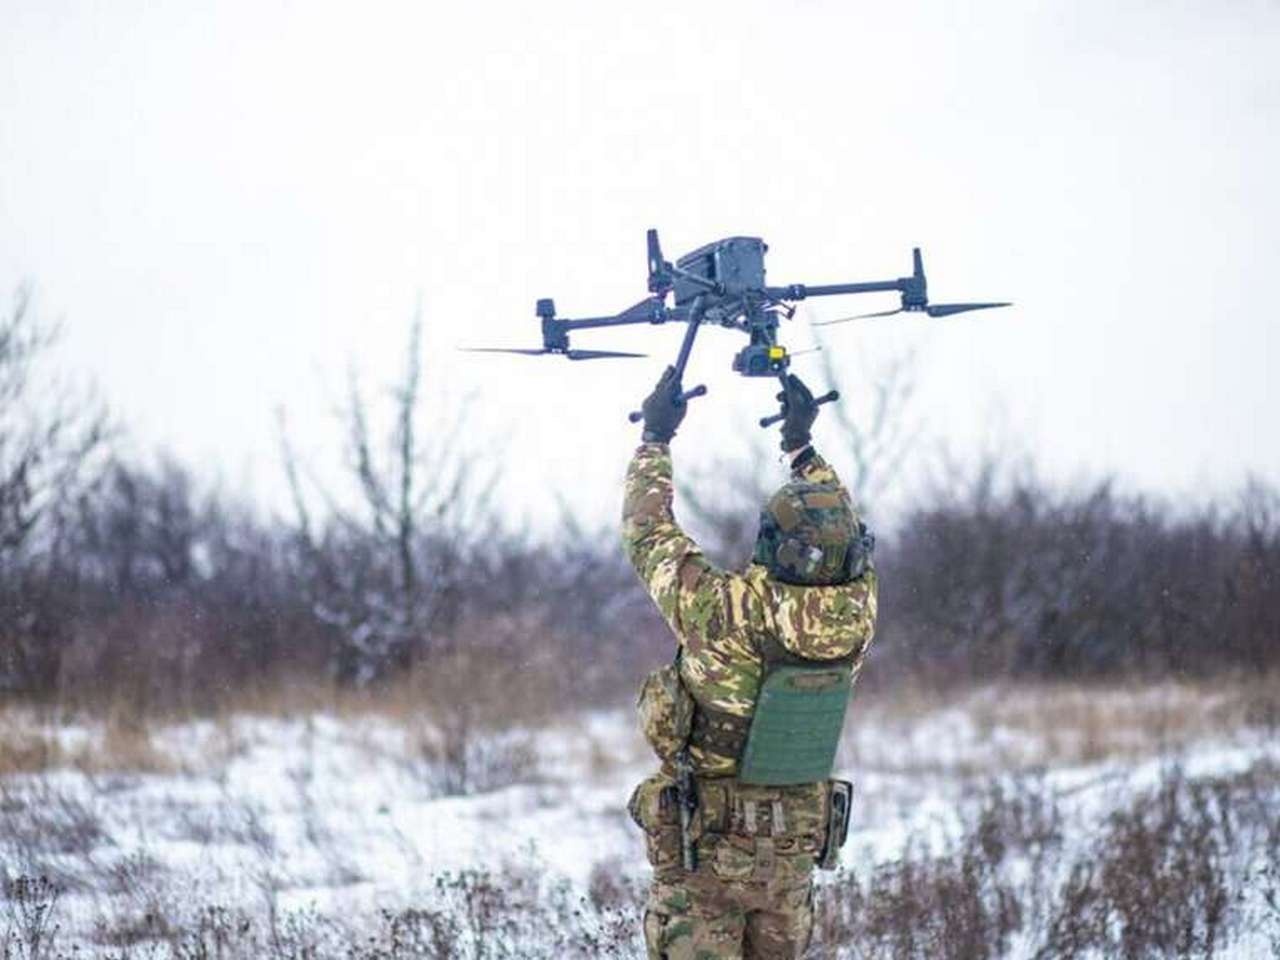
(877,442)
(387,570)
(50,442)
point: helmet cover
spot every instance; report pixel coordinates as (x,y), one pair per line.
(810,535)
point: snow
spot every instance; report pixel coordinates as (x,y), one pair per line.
(339,814)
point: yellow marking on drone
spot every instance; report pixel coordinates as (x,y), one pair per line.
(777,353)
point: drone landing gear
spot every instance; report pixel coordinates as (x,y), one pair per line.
(696,313)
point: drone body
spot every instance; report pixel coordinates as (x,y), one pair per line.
(736,266)
(723,283)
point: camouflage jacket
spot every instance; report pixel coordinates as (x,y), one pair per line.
(718,616)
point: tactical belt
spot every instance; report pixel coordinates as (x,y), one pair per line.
(778,823)
(732,813)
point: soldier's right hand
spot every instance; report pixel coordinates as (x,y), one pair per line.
(664,408)
(799,411)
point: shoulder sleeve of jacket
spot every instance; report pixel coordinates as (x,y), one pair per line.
(691,592)
(861,618)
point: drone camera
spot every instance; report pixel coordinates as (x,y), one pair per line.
(735,263)
(761,360)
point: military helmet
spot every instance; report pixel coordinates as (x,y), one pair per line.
(811,536)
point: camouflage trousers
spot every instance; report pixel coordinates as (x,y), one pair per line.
(701,917)
(751,896)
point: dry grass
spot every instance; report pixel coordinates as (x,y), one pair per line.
(447,712)
(31,743)
(1033,725)
(25,748)
(454,717)
(1093,723)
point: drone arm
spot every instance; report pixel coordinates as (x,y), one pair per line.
(591,323)
(800,291)
(652,310)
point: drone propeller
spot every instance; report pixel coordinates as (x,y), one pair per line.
(599,354)
(569,354)
(933,310)
(947,309)
(523,353)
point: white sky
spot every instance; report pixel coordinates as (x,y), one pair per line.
(228,204)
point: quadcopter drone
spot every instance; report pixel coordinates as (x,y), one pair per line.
(723,283)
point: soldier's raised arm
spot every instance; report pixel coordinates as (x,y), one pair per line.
(799,411)
(669,562)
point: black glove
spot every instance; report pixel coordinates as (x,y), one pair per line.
(664,408)
(799,411)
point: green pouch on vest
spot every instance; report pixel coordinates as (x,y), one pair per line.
(796,725)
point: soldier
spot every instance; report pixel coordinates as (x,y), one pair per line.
(747,718)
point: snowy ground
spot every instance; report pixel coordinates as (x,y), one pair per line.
(342,815)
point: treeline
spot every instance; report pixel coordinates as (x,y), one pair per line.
(1006,575)
(123,578)
(127,577)
(155,589)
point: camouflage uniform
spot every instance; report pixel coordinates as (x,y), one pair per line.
(751,895)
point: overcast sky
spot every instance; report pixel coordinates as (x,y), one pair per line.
(230,205)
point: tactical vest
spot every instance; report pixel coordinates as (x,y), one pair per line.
(794,728)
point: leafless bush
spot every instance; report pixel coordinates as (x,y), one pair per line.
(1180,871)
(1161,875)
(145,904)
(1167,875)
(473,729)
(922,906)
(217,932)
(50,443)
(181,593)
(1005,575)
(512,912)
(610,888)
(515,913)
(29,929)
(39,820)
